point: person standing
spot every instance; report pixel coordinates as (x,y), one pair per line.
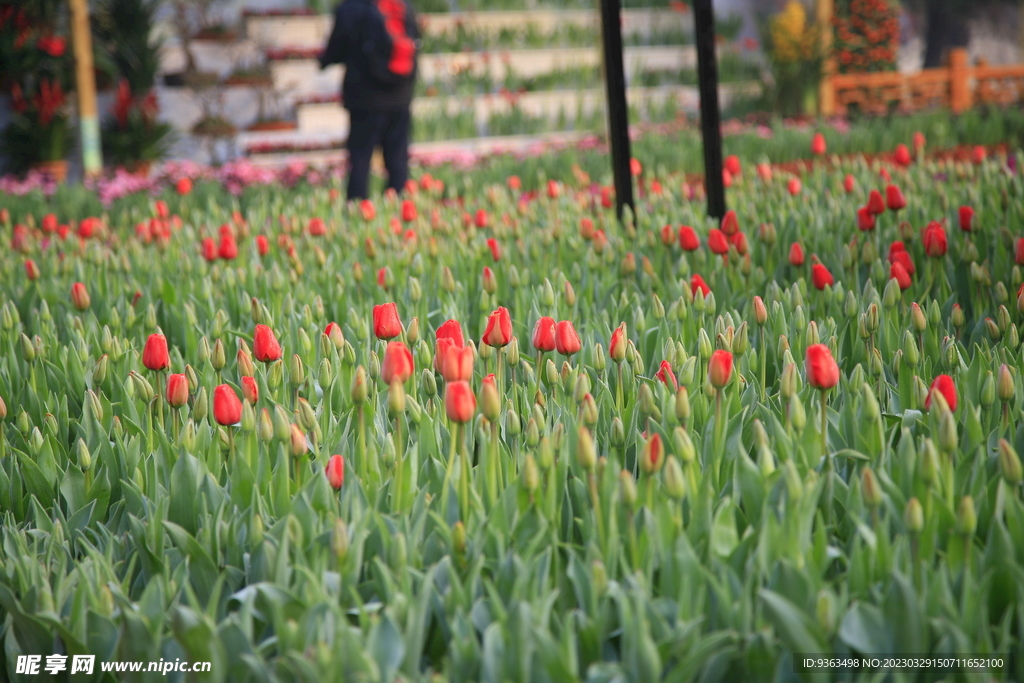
(377,41)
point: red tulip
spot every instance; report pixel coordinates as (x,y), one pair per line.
(944,385)
(849,183)
(499,328)
(154,354)
(265,346)
(978,154)
(818,147)
(966,214)
(688,239)
(227,409)
(451,329)
(899,273)
(459,402)
(184,186)
(653,454)
(821,277)
(543,338)
(739,240)
(764,171)
(726,178)
(335,472)
(161,208)
(718,243)
(894,198)
(49,223)
(210,249)
(398,365)
(250,392)
(262,245)
(732,164)
(587,229)
(902,155)
(367,210)
(566,340)
(317,227)
(635,167)
(697,284)
(796,255)
(386,324)
(666,375)
(617,344)
(177,390)
(875,204)
(935,240)
(919,141)
(514,183)
(822,370)
(794,186)
(481,220)
(228,247)
(31,269)
(492,244)
(730,224)
(408,211)
(903,258)
(865,219)
(668,235)
(720,368)
(553,189)
(86,227)
(1018,252)
(456,361)
(79,296)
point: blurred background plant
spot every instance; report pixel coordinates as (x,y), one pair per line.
(792,45)
(867,34)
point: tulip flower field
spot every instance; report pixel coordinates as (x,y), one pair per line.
(473,433)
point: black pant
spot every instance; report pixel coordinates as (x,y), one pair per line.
(370,129)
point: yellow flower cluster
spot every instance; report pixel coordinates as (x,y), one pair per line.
(793,40)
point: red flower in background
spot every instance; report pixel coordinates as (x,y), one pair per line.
(48,101)
(666,375)
(543,338)
(899,273)
(821,368)
(821,277)
(697,283)
(865,219)
(688,239)
(796,254)
(718,243)
(934,240)
(265,346)
(894,198)
(730,224)
(902,155)
(818,146)
(945,385)
(875,203)
(966,216)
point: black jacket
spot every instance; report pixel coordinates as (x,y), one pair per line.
(360,90)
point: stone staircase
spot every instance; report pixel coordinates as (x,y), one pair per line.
(287,45)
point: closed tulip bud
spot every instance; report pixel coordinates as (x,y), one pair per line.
(1001,295)
(282,424)
(1003,318)
(512,352)
(296,371)
(84,457)
(325,374)
(1012,338)
(704,347)
(143,389)
(710,304)
(870,489)
(653,455)
(645,400)
(297,441)
(627,489)
(956,316)
(794,484)
(788,383)
(918,318)
(513,425)
(459,539)
(797,415)
(675,482)
(683,444)
(910,352)
(988,390)
(891,294)
(913,516)
(760,311)
(23,423)
(871,318)
(36,441)
(929,467)
(490,401)
(447,280)
(428,385)
(558,436)
(682,405)
(28,351)
(741,342)
(201,405)
(264,426)
(1009,463)
(966,517)
(1005,386)
(551,376)
(617,432)
(248,421)
(532,433)
(218,357)
(586,451)
(415,291)
(531,474)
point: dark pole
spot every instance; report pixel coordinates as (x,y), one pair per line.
(618,110)
(710,117)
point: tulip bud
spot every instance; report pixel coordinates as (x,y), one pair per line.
(339,540)
(531,474)
(617,432)
(870,489)
(645,400)
(789,381)
(913,516)
(282,424)
(275,374)
(264,426)
(794,484)
(825,610)
(1009,463)
(512,352)
(360,387)
(296,371)
(551,376)
(682,406)
(586,452)
(599,362)
(910,350)
(796,414)
(994,333)
(929,466)
(84,457)
(917,316)
(947,436)
(966,517)
(760,311)
(297,439)
(627,489)
(684,447)
(532,433)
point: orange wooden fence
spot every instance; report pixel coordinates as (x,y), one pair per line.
(958,86)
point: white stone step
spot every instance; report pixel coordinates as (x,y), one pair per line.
(312,31)
(304,77)
(331,116)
